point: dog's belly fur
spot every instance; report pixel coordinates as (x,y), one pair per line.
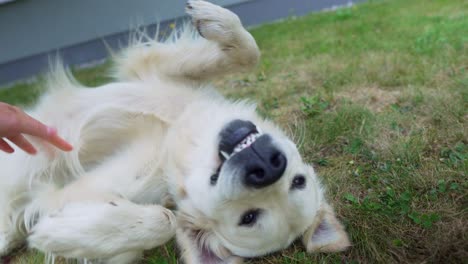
(118,132)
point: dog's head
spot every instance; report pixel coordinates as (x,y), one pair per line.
(242,189)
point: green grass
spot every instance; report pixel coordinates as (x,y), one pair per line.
(376,96)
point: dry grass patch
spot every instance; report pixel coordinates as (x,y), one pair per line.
(373,98)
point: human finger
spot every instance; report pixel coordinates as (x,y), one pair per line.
(4,146)
(33,127)
(23,144)
(57,141)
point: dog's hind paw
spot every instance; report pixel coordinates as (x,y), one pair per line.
(213,22)
(7,244)
(3,245)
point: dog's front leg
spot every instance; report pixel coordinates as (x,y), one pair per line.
(103,230)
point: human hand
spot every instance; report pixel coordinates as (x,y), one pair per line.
(14,123)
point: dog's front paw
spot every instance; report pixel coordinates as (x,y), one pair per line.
(213,22)
(95,230)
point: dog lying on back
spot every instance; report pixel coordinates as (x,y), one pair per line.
(160,136)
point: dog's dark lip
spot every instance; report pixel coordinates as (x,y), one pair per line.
(233,134)
(215,176)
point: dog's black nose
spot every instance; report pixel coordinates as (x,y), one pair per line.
(266,164)
(262,164)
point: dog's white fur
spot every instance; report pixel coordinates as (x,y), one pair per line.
(150,140)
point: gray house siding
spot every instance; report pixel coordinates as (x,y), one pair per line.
(33,30)
(29,27)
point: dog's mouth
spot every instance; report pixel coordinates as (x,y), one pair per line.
(237,136)
(257,160)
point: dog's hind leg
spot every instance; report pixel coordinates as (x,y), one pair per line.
(108,230)
(15,195)
(10,237)
(225,47)
(127,257)
(8,241)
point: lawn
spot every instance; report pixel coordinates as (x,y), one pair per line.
(376,96)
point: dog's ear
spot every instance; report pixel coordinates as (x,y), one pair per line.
(198,245)
(326,234)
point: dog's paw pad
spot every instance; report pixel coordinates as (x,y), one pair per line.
(198,25)
(211,21)
(188,6)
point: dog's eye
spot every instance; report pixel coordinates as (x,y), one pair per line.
(250,217)
(299,182)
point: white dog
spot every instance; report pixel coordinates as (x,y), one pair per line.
(157,137)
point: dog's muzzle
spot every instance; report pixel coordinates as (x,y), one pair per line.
(244,147)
